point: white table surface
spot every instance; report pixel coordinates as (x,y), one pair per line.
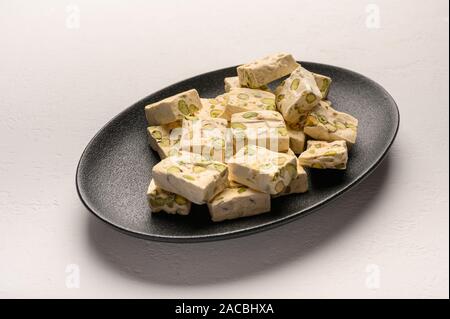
(60,81)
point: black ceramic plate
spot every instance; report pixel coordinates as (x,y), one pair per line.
(115,168)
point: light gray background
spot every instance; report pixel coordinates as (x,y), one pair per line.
(60,83)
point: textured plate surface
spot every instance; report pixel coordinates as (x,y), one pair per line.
(115,168)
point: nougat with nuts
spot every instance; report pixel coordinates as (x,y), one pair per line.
(171,203)
(263,128)
(262,170)
(297,95)
(233,82)
(238,201)
(191,176)
(243,99)
(174,108)
(325,155)
(263,71)
(326,124)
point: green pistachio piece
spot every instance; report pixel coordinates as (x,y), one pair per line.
(215,113)
(282,131)
(279,187)
(325,84)
(292,170)
(322,119)
(280,97)
(156,202)
(330,153)
(317,165)
(189,177)
(330,127)
(173,170)
(248,115)
(295,83)
(219,167)
(238,126)
(243,96)
(164,142)
(268,101)
(213,101)
(193,108)
(170,202)
(198,169)
(156,134)
(340,125)
(180,200)
(310,98)
(242,189)
(183,108)
(208,126)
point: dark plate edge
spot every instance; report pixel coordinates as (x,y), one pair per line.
(245,231)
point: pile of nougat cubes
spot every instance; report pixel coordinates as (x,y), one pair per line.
(236,151)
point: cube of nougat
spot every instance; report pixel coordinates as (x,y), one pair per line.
(323,83)
(191,176)
(263,128)
(326,124)
(208,137)
(298,184)
(233,82)
(263,71)
(296,140)
(243,99)
(213,108)
(161,200)
(177,107)
(165,139)
(296,95)
(262,170)
(320,154)
(237,201)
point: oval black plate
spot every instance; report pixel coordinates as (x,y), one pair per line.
(115,168)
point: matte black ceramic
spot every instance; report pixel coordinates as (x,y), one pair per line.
(115,168)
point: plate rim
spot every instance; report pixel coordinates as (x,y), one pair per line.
(248,230)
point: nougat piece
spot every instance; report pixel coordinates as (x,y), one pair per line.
(208,137)
(262,170)
(243,99)
(263,71)
(323,82)
(326,124)
(296,139)
(297,95)
(233,82)
(323,155)
(171,203)
(237,201)
(165,139)
(263,128)
(213,108)
(174,108)
(298,184)
(191,176)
